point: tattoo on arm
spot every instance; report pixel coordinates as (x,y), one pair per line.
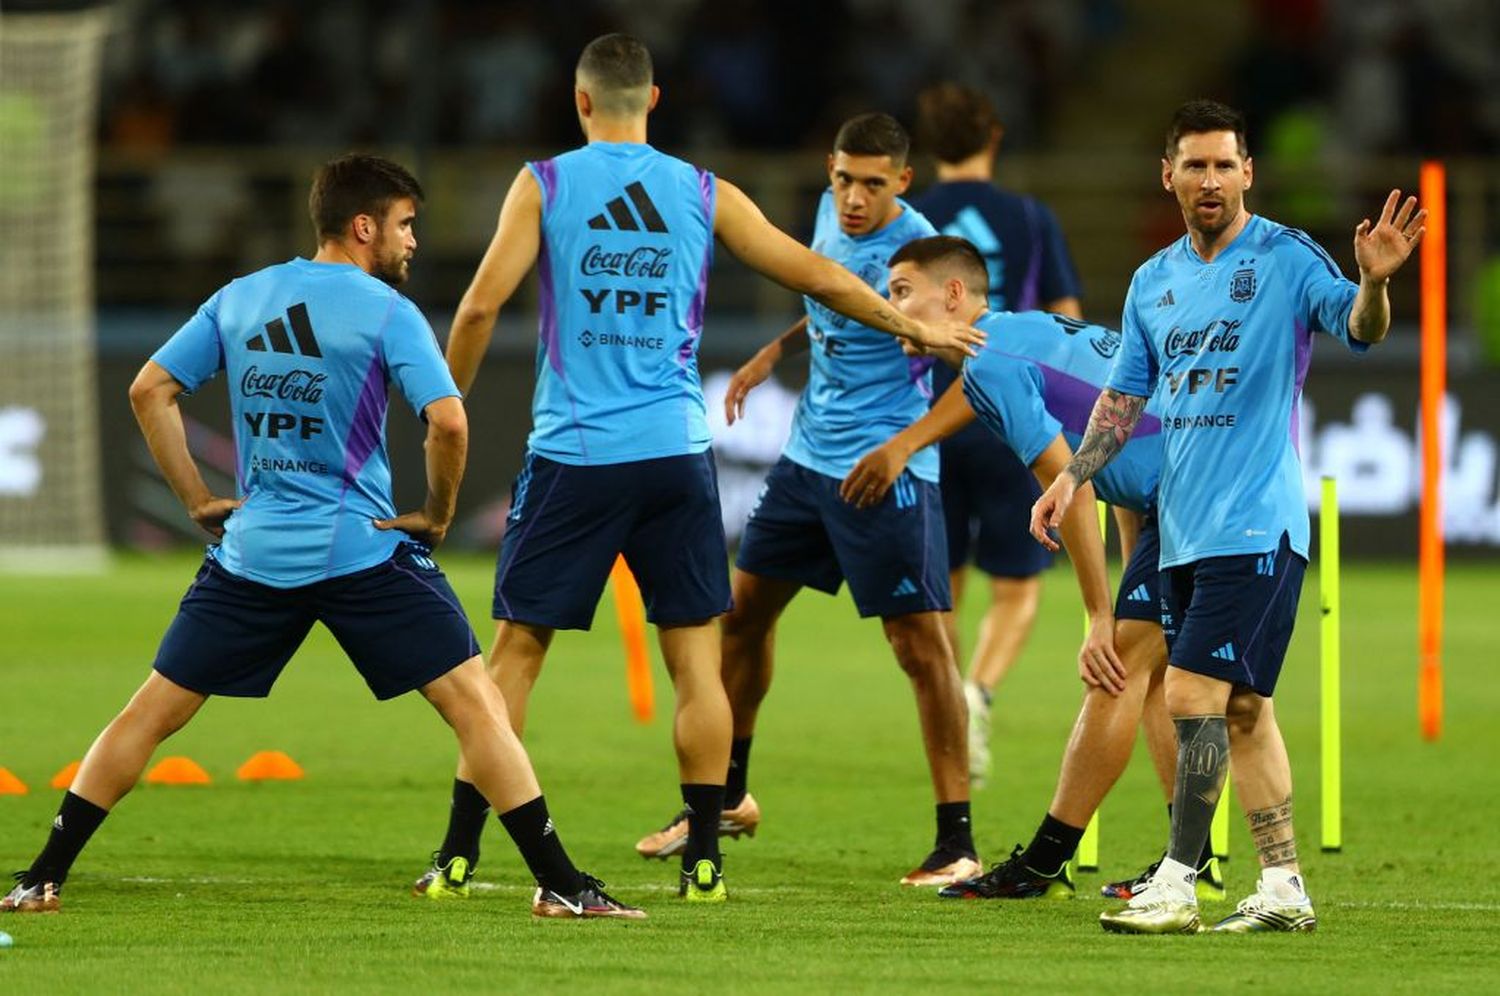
(1271,829)
(1114,419)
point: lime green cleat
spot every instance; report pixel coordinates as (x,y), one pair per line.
(704,884)
(1263,913)
(450,881)
(1154,910)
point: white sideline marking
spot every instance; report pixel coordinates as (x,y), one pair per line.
(1416,906)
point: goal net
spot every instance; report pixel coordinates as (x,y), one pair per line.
(51,515)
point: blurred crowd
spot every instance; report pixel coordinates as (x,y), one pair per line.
(1372,76)
(764,75)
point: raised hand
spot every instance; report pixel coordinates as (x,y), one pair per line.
(1382,248)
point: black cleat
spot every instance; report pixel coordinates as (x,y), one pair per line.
(589,902)
(1012,879)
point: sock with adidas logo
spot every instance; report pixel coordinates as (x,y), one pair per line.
(530,826)
(75,823)
(1283,885)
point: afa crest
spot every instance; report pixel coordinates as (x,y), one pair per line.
(1242,285)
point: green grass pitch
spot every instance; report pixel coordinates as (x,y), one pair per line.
(303,886)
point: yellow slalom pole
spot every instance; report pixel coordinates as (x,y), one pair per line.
(1330,699)
(1088,847)
(1218,830)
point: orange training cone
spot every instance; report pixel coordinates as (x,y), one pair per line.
(270,766)
(178,771)
(10,784)
(64,778)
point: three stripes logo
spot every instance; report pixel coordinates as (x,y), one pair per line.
(276,340)
(1166,300)
(1139,594)
(619,212)
(1266,565)
(904,588)
(1224,653)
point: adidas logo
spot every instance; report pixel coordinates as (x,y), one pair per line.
(1139,594)
(275,339)
(1266,566)
(548,828)
(1224,653)
(905,588)
(619,212)
(1166,300)
(57,823)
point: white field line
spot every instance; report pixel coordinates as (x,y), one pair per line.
(1416,905)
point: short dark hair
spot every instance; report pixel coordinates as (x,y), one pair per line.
(873,134)
(1199,116)
(952,253)
(955,121)
(619,71)
(356,184)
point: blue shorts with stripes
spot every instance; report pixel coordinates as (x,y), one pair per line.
(1231,618)
(399,622)
(568,524)
(894,555)
(1139,596)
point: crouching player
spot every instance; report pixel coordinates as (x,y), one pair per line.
(1033,385)
(309,348)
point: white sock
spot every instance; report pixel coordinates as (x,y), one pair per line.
(1178,878)
(1283,885)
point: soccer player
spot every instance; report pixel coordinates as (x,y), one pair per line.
(309,348)
(861,390)
(1032,386)
(987,493)
(1218,329)
(618,460)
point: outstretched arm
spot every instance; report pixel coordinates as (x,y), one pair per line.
(1380,250)
(878,469)
(1114,419)
(511,253)
(768,250)
(153,398)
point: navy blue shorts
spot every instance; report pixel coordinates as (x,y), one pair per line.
(568,523)
(399,622)
(1139,596)
(892,555)
(1231,618)
(987,497)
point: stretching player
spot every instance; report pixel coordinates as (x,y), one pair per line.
(987,493)
(861,390)
(310,348)
(1218,328)
(1031,386)
(618,460)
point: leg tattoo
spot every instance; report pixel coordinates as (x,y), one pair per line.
(1271,829)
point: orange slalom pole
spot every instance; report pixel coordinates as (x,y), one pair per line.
(631,612)
(1434,387)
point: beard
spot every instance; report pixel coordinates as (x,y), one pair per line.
(392,267)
